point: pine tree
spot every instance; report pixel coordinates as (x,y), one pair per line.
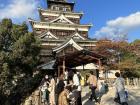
(19,55)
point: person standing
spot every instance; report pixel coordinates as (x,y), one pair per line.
(92,81)
(43,91)
(70,75)
(63,97)
(59,87)
(120,89)
(66,77)
(76,84)
(44,87)
(52,91)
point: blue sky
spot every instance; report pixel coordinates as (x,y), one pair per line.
(110,18)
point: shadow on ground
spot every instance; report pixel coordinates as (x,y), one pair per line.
(88,102)
(134,97)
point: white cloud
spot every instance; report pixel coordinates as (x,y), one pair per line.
(19,9)
(120,27)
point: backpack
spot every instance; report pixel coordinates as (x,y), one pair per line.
(59,87)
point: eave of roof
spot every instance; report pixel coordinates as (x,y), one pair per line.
(47,23)
(79,58)
(62,40)
(60,12)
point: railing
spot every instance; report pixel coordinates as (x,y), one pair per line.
(135,82)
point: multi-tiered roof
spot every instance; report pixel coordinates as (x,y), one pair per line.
(60,30)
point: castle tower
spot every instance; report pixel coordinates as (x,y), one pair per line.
(60,31)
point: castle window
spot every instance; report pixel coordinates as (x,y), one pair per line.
(61,8)
(63,33)
(68,9)
(56,8)
(64,9)
(52,7)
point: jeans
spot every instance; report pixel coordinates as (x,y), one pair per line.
(93,94)
(79,101)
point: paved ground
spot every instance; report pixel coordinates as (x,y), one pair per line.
(107,99)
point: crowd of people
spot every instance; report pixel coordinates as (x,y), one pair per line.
(66,89)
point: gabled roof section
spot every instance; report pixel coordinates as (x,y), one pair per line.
(65,44)
(77,36)
(48,25)
(61,19)
(47,35)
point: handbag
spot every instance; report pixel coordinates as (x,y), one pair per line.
(126,94)
(91,86)
(75,87)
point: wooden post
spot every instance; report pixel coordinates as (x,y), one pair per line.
(99,65)
(59,69)
(63,65)
(63,62)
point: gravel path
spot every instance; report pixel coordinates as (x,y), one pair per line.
(107,99)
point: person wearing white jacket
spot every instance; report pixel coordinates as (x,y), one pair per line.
(120,89)
(76,83)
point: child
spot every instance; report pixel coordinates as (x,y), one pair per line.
(43,90)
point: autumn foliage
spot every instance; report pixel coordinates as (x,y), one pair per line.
(121,55)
